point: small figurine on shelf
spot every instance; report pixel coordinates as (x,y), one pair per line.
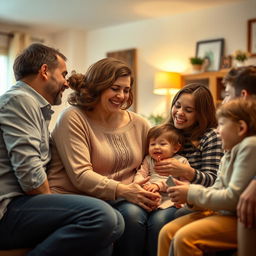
(226,62)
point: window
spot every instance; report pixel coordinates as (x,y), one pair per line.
(10,45)
(4,61)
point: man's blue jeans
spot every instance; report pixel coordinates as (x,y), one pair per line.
(59,225)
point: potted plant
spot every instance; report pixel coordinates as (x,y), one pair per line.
(240,57)
(156,119)
(196,63)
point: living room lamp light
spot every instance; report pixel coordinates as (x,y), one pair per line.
(167,83)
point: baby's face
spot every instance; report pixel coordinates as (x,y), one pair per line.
(160,148)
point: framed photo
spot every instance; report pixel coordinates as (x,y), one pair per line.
(128,56)
(251,42)
(211,50)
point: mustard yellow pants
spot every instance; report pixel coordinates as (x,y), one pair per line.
(198,232)
(246,241)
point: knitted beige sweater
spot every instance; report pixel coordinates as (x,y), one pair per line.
(90,159)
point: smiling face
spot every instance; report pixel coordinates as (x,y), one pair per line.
(113,98)
(161,148)
(183,112)
(56,83)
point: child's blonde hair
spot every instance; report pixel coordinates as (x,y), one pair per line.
(240,109)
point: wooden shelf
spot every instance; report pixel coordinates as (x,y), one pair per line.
(213,80)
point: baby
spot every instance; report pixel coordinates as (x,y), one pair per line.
(163,141)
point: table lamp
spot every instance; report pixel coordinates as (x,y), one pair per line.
(167,83)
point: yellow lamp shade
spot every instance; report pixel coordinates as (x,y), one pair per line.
(165,81)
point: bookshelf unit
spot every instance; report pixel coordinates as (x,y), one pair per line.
(213,80)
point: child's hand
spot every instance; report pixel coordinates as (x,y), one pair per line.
(178,193)
(151,187)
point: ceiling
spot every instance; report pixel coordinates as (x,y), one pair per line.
(55,15)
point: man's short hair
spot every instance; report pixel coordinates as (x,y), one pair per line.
(33,57)
(242,78)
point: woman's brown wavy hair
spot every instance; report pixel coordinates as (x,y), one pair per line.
(99,77)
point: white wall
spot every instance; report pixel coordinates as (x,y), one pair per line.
(167,43)
(72,44)
(162,44)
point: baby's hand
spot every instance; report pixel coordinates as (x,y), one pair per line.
(145,186)
(151,187)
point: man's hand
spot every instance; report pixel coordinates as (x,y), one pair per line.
(246,208)
(43,189)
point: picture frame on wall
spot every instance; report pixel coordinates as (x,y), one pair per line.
(129,56)
(212,50)
(251,38)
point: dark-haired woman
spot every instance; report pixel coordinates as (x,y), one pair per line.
(193,113)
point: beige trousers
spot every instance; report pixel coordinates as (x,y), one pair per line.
(197,233)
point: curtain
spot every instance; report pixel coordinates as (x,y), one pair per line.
(4,43)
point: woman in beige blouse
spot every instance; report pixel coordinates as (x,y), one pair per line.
(98,145)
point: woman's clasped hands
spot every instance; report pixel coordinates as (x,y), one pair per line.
(134,193)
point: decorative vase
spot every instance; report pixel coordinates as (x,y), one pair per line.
(238,63)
